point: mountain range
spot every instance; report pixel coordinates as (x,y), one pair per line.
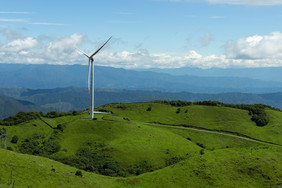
(72,98)
(46,76)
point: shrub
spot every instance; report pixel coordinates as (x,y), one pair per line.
(149,108)
(60,127)
(78,173)
(201,145)
(10,148)
(15,139)
(178,110)
(173,160)
(202,151)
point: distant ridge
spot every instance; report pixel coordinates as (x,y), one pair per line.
(46,76)
(72,98)
(10,106)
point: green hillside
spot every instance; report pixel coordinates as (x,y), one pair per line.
(146,145)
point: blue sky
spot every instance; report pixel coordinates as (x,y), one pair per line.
(146,33)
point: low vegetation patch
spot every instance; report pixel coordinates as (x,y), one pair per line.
(38,145)
(95,159)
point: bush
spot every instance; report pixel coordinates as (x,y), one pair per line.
(201,145)
(260,120)
(10,148)
(15,139)
(173,160)
(78,173)
(202,151)
(149,108)
(178,110)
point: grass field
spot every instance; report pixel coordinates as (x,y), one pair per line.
(150,148)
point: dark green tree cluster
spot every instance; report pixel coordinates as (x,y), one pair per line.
(95,159)
(55,114)
(22,117)
(176,103)
(19,118)
(209,103)
(38,145)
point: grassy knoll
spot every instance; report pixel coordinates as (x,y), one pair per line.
(134,147)
(129,144)
(209,117)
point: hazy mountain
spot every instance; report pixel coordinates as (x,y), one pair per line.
(66,99)
(53,76)
(10,106)
(267,73)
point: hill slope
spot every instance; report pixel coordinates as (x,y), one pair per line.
(152,148)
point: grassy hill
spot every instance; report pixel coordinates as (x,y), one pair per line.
(146,145)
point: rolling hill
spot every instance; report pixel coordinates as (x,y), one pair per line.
(150,144)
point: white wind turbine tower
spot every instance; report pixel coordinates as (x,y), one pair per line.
(91,71)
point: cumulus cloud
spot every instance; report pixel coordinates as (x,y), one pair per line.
(33,50)
(247,2)
(20,44)
(252,51)
(256,47)
(64,46)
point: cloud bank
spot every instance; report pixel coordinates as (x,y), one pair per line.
(252,51)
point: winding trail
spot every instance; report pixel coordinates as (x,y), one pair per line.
(213,131)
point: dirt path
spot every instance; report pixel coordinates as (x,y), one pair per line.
(213,131)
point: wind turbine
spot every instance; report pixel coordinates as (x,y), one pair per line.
(91,74)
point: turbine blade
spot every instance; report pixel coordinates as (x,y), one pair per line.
(89,76)
(100,48)
(82,52)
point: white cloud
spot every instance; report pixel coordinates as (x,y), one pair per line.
(256,47)
(20,44)
(253,51)
(247,2)
(64,49)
